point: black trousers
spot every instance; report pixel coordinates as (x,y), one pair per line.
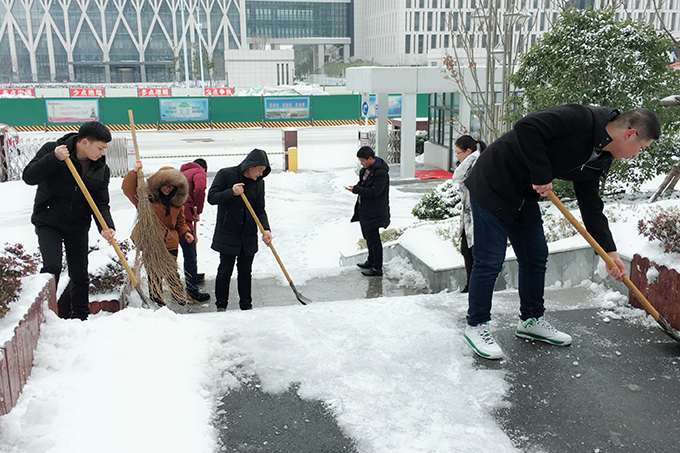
(374,245)
(244,268)
(50,240)
(467,256)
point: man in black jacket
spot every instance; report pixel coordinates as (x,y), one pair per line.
(61,213)
(236,231)
(372,209)
(569,142)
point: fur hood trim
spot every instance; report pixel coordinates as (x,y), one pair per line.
(172,177)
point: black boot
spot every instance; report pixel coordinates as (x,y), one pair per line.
(198,296)
(372,272)
(365,265)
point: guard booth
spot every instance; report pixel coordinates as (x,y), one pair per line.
(290,148)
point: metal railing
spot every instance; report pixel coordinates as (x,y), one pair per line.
(13,159)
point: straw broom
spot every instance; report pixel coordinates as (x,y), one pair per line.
(152,253)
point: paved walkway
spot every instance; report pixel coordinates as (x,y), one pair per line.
(616,389)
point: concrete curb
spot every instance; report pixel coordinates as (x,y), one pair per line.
(565,266)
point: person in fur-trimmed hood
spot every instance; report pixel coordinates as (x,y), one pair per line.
(236,231)
(168,189)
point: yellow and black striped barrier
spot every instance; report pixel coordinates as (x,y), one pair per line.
(201,126)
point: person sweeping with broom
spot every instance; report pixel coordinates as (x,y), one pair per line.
(235,235)
(168,191)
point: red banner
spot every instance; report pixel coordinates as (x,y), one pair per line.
(17,92)
(87,92)
(153,92)
(218,91)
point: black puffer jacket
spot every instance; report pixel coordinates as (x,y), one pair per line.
(372,208)
(59,201)
(562,142)
(235,228)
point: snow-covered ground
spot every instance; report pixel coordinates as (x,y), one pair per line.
(394,371)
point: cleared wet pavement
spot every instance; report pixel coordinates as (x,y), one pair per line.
(615,389)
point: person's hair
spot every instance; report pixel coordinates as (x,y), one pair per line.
(94,131)
(467,142)
(365,152)
(200,161)
(644,121)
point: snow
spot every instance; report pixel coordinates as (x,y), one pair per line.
(393,371)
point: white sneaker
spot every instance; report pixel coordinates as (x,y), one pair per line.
(540,329)
(480,340)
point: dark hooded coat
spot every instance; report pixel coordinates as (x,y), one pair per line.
(59,202)
(173,223)
(372,208)
(562,142)
(235,231)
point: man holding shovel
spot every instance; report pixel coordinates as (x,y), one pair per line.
(569,142)
(196,173)
(235,235)
(61,213)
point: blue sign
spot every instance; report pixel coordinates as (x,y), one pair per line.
(182,110)
(364,109)
(278,108)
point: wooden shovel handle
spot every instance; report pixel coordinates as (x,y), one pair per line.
(600,251)
(100,219)
(271,246)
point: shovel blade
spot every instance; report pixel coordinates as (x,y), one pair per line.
(670,331)
(302,299)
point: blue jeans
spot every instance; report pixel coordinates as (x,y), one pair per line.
(531,250)
(190,265)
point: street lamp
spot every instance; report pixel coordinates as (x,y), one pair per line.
(184,44)
(199,27)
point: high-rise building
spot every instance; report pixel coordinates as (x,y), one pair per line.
(254,42)
(246,41)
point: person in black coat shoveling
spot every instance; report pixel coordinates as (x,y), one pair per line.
(61,213)
(372,209)
(569,142)
(235,235)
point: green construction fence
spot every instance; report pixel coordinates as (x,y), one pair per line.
(236,111)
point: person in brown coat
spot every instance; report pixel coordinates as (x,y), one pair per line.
(168,191)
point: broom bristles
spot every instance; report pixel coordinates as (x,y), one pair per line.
(152,253)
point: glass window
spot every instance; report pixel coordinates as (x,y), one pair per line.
(407,47)
(416,21)
(429,21)
(433,43)
(421,41)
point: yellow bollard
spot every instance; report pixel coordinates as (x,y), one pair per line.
(292,159)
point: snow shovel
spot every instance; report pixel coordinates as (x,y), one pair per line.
(665,325)
(303,300)
(102,223)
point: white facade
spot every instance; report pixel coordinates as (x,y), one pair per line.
(248,68)
(418,32)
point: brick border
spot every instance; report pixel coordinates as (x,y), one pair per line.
(16,355)
(663,293)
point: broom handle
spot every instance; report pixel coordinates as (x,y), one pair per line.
(100,219)
(134,134)
(271,246)
(600,251)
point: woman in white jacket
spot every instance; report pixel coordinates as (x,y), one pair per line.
(467,151)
